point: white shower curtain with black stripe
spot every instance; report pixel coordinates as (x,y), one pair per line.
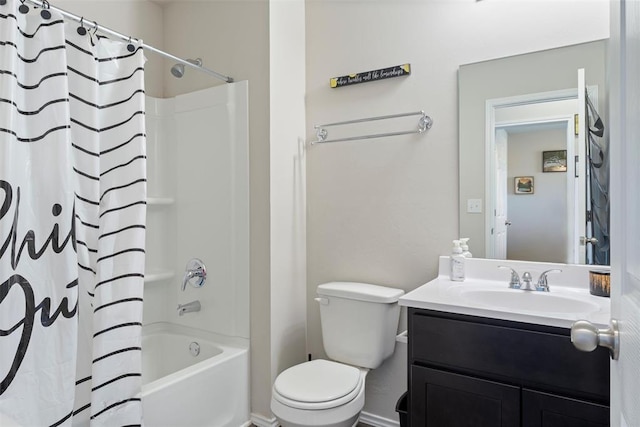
(72,223)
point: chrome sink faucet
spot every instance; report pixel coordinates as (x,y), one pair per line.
(543,286)
(189,307)
(526,283)
(514,283)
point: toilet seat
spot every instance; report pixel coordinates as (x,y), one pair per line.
(334,384)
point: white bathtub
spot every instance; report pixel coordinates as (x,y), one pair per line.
(183,390)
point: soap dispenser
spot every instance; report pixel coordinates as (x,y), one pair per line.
(465,247)
(456,272)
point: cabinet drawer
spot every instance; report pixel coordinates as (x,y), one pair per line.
(504,351)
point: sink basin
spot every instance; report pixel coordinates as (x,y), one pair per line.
(485,293)
(519,300)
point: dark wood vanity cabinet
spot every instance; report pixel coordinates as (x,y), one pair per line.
(467,371)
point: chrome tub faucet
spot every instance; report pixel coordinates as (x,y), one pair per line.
(190,307)
(195,274)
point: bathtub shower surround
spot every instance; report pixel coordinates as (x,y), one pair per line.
(199,162)
(199,192)
(72,223)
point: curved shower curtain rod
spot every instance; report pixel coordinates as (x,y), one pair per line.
(94,25)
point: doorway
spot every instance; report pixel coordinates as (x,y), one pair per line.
(529,198)
(511,119)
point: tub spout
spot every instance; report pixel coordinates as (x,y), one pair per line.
(189,307)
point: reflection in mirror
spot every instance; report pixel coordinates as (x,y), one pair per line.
(511,111)
(522,144)
(520,149)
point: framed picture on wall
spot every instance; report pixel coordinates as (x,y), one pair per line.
(523,185)
(554,161)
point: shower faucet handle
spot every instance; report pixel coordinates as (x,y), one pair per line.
(195,274)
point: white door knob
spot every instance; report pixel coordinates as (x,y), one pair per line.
(585,336)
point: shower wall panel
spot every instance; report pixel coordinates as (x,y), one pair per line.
(205,168)
(161,211)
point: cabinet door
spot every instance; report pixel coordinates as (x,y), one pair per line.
(548,410)
(444,399)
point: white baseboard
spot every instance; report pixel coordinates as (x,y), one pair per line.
(377,421)
(261,421)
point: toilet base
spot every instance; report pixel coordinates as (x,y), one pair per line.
(352,422)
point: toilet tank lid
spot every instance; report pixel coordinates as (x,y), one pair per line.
(360,291)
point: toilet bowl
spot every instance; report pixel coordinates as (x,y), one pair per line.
(359,322)
(319,393)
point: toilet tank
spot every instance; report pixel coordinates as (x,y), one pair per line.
(359,322)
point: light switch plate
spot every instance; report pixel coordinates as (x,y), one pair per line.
(474,205)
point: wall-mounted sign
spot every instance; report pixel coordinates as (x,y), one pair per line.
(370,76)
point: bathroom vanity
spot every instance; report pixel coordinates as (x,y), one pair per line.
(481,354)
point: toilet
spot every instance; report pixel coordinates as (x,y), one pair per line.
(359,325)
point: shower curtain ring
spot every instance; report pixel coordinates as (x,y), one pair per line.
(95,30)
(81,29)
(45,13)
(23,8)
(130,46)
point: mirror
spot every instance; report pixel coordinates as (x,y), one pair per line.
(527,104)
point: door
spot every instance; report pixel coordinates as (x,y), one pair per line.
(625,207)
(624,95)
(501,221)
(549,410)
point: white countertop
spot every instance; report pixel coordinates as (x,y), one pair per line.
(442,294)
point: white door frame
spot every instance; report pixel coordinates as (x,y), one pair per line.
(499,232)
(490,179)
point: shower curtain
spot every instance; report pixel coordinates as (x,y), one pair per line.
(72,223)
(597,191)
